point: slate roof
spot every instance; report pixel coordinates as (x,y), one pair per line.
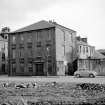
(40,25)
(98,55)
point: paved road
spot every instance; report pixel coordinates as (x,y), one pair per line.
(70,79)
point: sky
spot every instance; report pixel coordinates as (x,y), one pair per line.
(87,17)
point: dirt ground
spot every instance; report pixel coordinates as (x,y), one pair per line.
(52,93)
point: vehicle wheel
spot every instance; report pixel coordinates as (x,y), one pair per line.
(91,75)
(77,75)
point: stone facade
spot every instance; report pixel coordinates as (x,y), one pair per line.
(43,48)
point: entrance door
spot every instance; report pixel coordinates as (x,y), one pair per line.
(39,70)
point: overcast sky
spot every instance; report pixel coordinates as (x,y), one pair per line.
(87,17)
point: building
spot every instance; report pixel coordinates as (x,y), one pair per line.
(3,55)
(43,48)
(85,53)
(98,63)
(89,58)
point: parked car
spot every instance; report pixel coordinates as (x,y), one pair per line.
(85,73)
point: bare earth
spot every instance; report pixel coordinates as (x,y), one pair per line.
(65,91)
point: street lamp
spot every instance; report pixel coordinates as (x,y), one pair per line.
(47,59)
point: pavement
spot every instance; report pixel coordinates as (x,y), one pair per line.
(69,79)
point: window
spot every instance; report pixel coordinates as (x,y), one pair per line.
(13,46)
(14,39)
(37,36)
(39,44)
(21,45)
(29,44)
(13,68)
(83,49)
(30,59)
(39,51)
(22,67)
(80,49)
(87,49)
(21,53)
(21,60)
(48,43)
(30,67)
(3,56)
(30,38)
(22,38)
(13,54)
(49,34)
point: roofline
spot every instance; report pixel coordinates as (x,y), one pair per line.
(63,27)
(83,43)
(30,30)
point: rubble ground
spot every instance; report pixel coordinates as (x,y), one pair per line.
(54,93)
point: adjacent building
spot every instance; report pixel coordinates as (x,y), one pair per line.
(43,48)
(89,58)
(3,55)
(85,53)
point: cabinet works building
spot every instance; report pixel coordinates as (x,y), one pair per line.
(43,48)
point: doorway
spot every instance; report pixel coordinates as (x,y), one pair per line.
(39,69)
(3,68)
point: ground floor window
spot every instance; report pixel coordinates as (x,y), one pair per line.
(30,67)
(22,67)
(13,68)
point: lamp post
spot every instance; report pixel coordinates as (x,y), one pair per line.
(47,59)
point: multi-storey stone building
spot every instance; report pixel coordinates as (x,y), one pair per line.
(43,48)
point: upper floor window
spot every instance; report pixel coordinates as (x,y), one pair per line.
(39,44)
(21,45)
(37,36)
(14,39)
(39,51)
(22,38)
(3,56)
(29,44)
(80,49)
(84,49)
(30,38)
(14,54)
(48,42)
(87,49)
(21,53)
(49,34)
